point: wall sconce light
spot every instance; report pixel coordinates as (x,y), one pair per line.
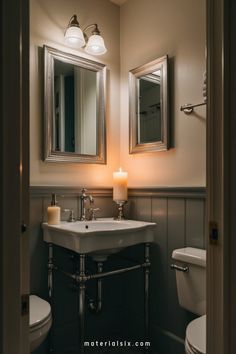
(75,36)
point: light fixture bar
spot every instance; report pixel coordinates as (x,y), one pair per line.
(75,36)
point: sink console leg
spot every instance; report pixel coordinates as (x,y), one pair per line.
(146,294)
(95,306)
(82,287)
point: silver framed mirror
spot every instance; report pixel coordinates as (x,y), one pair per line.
(149,107)
(74,108)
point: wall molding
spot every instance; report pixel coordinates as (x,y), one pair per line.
(74,191)
(170,192)
(70,191)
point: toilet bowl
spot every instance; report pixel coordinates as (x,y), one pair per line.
(190,273)
(195,340)
(40,321)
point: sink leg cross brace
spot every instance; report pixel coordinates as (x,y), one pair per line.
(81,278)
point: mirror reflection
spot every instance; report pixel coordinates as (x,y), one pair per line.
(149,119)
(75,112)
(74,108)
(149,124)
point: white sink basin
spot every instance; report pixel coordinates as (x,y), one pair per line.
(99,238)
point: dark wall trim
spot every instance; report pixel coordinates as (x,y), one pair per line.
(45,191)
(172,192)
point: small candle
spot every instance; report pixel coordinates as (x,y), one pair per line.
(120,179)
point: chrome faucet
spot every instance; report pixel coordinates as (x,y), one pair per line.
(83,199)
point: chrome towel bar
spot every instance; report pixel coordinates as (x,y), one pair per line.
(188,108)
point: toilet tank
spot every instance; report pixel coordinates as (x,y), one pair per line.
(190,270)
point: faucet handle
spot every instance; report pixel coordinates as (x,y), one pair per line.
(83,191)
(91,199)
(92,212)
(71,217)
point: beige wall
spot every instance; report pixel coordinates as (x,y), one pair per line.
(48,22)
(146,29)
(151,29)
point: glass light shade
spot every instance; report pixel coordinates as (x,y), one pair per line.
(95,45)
(74,36)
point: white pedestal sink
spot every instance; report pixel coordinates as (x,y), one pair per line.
(99,238)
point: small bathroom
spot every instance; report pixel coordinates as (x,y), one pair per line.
(117,177)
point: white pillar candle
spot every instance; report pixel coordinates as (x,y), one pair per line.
(54,215)
(120,179)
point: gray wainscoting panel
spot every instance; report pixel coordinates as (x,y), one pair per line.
(38,250)
(143,209)
(195,223)
(159,271)
(108,208)
(176,224)
(176,239)
(180,217)
(130,209)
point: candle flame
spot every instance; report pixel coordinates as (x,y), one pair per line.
(120,170)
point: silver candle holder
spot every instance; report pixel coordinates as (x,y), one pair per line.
(120,204)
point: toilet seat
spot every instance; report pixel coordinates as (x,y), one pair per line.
(188,349)
(195,341)
(40,321)
(40,312)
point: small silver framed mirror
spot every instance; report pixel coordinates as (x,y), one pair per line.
(148,107)
(74,108)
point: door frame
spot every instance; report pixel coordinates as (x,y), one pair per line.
(221,176)
(14,181)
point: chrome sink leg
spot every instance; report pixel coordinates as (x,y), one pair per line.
(146,293)
(95,306)
(82,287)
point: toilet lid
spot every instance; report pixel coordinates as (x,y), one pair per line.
(40,310)
(196,334)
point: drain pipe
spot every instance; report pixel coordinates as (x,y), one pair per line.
(95,306)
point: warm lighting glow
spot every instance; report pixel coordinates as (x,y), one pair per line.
(74,36)
(95,45)
(120,180)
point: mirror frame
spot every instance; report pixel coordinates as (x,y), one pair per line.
(51,155)
(134,75)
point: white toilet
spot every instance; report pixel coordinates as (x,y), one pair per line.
(190,268)
(40,321)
